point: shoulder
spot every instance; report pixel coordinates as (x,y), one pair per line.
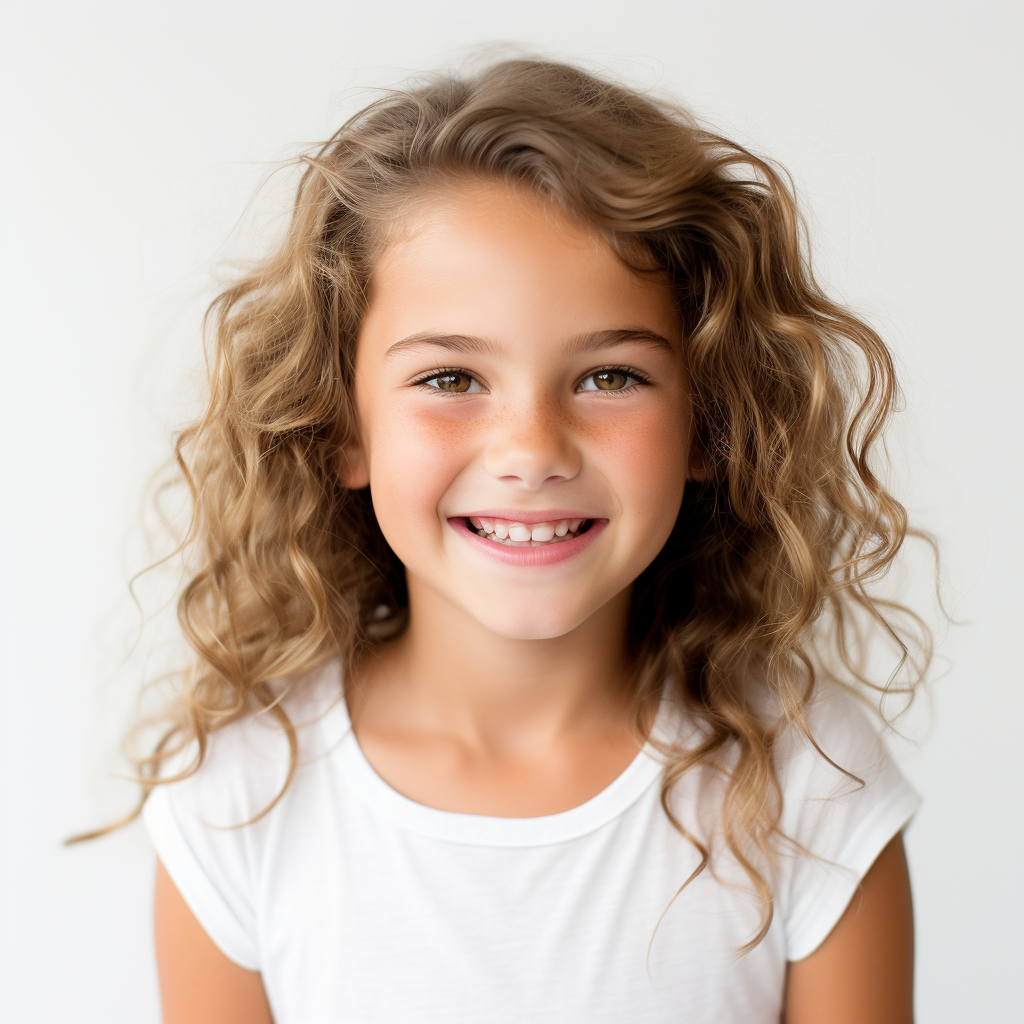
(246,763)
(211,828)
(842,746)
(843,799)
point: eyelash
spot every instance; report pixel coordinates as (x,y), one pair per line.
(641,379)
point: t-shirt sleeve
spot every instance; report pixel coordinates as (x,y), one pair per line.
(199,828)
(842,823)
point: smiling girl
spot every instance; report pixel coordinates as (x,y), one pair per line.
(533,492)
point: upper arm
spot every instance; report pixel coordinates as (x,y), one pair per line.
(863,973)
(198,983)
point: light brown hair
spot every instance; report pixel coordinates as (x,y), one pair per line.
(766,573)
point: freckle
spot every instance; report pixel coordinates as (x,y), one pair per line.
(442,431)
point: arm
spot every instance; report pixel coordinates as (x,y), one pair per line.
(863,973)
(198,983)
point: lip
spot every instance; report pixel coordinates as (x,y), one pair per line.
(517,515)
(546,554)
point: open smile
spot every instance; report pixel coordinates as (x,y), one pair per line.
(514,533)
(529,539)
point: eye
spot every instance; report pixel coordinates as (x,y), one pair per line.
(451,382)
(610,379)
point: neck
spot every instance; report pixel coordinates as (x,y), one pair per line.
(448,674)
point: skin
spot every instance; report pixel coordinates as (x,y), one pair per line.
(506,693)
(198,983)
(529,714)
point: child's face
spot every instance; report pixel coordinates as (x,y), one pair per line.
(511,369)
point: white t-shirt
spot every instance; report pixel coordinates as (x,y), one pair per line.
(359,905)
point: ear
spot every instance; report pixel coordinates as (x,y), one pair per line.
(697,468)
(353,469)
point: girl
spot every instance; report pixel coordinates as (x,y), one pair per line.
(533,516)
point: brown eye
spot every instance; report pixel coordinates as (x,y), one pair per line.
(609,380)
(452,382)
(616,379)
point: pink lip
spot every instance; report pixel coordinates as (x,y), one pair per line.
(547,554)
(516,515)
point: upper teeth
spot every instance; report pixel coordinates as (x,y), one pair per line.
(510,530)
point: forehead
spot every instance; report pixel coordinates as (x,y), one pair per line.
(493,261)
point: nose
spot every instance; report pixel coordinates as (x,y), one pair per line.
(531,444)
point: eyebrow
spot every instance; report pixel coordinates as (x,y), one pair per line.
(579,345)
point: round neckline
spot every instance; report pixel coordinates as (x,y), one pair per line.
(488,830)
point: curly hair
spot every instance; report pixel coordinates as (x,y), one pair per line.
(790,395)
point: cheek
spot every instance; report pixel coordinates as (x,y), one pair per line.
(646,453)
(415,454)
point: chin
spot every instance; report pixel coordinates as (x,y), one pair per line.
(530,623)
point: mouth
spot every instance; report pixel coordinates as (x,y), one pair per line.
(515,533)
(529,539)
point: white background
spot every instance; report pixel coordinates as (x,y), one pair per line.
(133,137)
